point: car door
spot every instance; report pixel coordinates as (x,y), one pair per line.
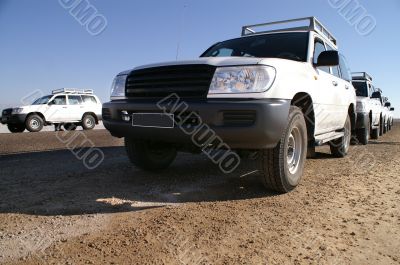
(76,108)
(375,106)
(57,109)
(326,109)
(378,104)
(345,91)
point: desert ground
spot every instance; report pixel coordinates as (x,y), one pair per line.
(56,207)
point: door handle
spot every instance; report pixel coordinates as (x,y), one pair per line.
(334,83)
(347,87)
(64,107)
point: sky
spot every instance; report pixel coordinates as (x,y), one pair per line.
(43,47)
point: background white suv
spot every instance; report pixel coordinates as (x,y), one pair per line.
(67,107)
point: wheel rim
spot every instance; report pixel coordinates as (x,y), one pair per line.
(35,124)
(294,150)
(89,122)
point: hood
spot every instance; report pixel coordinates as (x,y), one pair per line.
(215,61)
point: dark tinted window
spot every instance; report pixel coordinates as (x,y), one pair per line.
(59,100)
(344,69)
(361,89)
(292,46)
(74,100)
(89,100)
(319,47)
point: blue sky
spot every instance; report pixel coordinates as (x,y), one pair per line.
(44,47)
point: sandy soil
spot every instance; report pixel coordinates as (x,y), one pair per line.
(55,210)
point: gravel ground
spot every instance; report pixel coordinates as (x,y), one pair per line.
(53,209)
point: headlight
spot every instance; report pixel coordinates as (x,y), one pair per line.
(17,110)
(361,107)
(242,79)
(118,87)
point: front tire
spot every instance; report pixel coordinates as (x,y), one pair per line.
(88,122)
(34,123)
(282,167)
(150,156)
(340,147)
(16,128)
(375,134)
(364,134)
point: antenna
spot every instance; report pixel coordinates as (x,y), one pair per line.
(180,33)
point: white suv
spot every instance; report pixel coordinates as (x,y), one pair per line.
(273,94)
(68,107)
(369,107)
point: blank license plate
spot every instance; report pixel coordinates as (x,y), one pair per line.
(153,120)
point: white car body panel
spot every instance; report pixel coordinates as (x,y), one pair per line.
(331,103)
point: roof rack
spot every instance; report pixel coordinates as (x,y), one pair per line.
(72,91)
(361,76)
(313,24)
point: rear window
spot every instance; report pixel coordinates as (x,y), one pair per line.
(89,100)
(361,89)
(291,46)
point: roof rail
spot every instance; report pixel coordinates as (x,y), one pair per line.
(361,76)
(72,91)
(313,25)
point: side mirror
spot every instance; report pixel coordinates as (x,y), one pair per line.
(391,109)
(387,104)
(376,95)
(328,58)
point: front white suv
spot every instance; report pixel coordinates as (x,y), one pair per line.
(67,107)
(275,94)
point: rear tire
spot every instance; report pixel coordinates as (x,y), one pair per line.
(282,167)
(364,134)
(16,128)
(150,156)
(34,123)
(340,147)
(88,122)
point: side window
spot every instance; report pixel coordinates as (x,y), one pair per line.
(370,90)
(89,100)
(59,100)
(74,100)
(318,49)
(346,73)
(335,69)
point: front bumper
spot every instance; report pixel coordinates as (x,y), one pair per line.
(362,120)
(242,124)
(13,119)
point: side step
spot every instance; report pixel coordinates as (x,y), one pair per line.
(327,137)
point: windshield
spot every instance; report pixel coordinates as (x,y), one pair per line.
(292,46)
(361,89)
(42,100)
